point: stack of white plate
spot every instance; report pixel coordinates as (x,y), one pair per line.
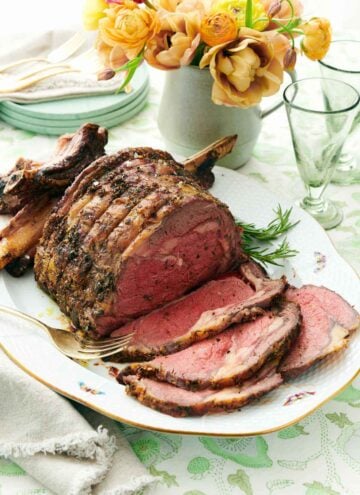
(61,116)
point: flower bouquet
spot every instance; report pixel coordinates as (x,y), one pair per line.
(231,53)
(246,44)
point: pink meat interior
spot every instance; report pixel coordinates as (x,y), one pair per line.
(194,244)
(204,359)
(334,305)
(315,328)
(176,319)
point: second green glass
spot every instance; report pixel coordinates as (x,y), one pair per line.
(320,113)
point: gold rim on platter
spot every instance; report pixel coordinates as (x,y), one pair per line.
(164,430)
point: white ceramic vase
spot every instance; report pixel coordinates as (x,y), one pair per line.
(189,121)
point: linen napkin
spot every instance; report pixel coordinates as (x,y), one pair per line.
(67,85)
(72,451)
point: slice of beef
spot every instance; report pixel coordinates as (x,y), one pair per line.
(178,402)
(227,359)
(169,237)
(166,329)
(321,334)
(267,292)
(29,179)
(334,305)
(202,313)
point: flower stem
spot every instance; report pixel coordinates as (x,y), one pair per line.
(248,14)
(149,4)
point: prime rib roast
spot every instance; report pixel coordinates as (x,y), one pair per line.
(134,242)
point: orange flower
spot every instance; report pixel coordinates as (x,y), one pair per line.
(218,28)
(176,43)
(128,26)
(244,70)
(317,39)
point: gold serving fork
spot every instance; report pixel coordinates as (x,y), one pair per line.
(86,62)
(60,53)
(76,344)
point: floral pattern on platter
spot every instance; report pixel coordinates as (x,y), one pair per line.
(298,396)
(320,261)
(90,390)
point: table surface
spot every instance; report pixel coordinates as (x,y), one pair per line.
(318,456)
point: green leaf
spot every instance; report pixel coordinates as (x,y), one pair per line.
(292,432)
(317,488)
(340,420)
(168,479)
(131,67)
(199,52)
(351,395)
(241,479)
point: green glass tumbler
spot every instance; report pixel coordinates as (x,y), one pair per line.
(320,112)
(343,62)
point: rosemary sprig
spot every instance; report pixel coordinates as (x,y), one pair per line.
(266,256)
(275,228)
(254,236)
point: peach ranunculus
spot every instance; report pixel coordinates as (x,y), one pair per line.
(317,39)
(285,13)
(110,56)
(281,45)
(93,11)
(243,71)
(175,45)
(128,26)
(218,28)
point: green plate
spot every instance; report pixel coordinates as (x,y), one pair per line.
(85,107)
(42,122)
(57,131)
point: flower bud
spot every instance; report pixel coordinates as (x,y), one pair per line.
(274,8)
(290,59)
(105,74)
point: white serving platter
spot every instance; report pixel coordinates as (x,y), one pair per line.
(94,385)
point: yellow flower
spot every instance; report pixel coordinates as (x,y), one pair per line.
(317,39)
(238,9)
(93,11)
(218,28)
(128,26)
(243,71)
(175,45)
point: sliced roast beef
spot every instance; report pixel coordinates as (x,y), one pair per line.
(132,233)
(322,332)
(334,305)
(166,329)
(227,359)
(178,402)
